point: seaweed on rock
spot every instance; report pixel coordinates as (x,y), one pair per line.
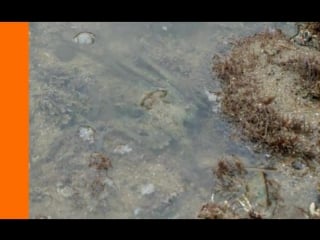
(271,89)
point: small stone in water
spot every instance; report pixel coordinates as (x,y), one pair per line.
(212,96)
(65,191)
(84,38)
(298,165)
(122,149)
(137,211)
(147,189)
(87,133)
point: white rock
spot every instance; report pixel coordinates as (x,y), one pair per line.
(65,191)
(122,149)
(212,97)
(86,133)
(147,189)
(137,211)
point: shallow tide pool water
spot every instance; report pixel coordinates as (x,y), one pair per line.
(128,125)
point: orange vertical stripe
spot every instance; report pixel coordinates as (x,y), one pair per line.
(14,132)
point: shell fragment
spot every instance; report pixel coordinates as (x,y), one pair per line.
(85,38)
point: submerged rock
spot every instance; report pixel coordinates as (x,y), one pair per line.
(122,149)
(147,189)
(87,134)
(152,98)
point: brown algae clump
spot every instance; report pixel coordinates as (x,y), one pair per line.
(308,34)
(241,192)
(271,89)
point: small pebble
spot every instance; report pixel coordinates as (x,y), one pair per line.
(212,97)
(147,189)
(267,155)
(122,149)
(137,211)
(298,165)
(64,191)
(87,133)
